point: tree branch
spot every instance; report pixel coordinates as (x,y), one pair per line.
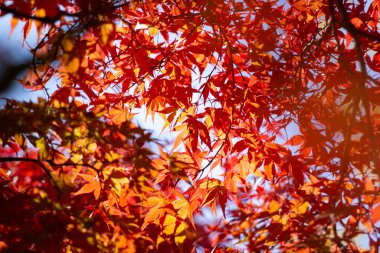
(346,23)
(17,14)
(350,27)
(52,20)
(35,161)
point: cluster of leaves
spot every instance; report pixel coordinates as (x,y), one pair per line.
(280,98)
(83,184)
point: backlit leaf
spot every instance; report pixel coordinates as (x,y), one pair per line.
(72,65)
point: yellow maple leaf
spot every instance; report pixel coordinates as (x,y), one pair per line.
(118,116)
(301,209)
(40,13)
(105,31)
(72,65)
(153,31)
(67,44)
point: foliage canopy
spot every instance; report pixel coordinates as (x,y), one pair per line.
(275,106)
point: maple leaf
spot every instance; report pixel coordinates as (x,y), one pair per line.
(92,185)
(155,205)
(185,209)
